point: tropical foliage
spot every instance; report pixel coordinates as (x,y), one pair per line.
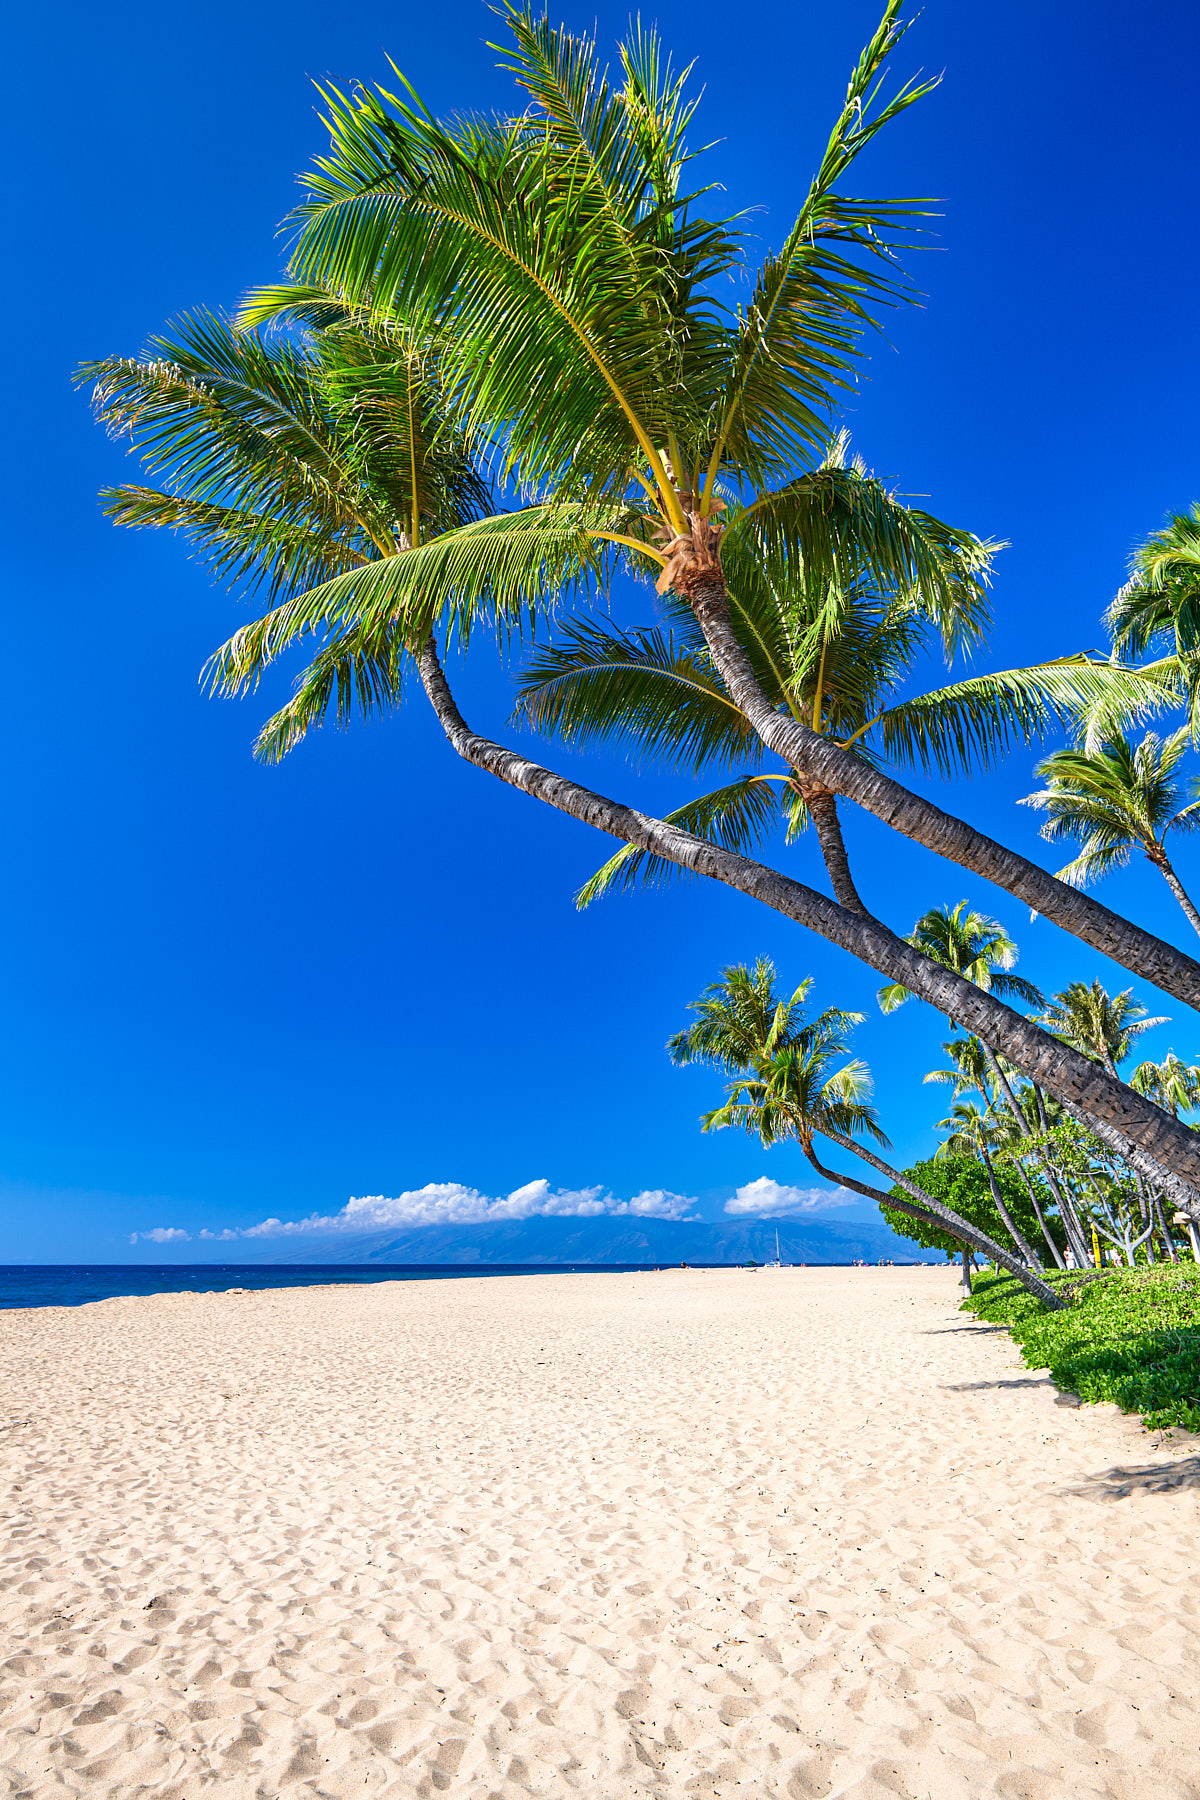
(1115,799)
(1131,1340)
(534,305)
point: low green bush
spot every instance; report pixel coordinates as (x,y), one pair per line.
(1129,1336)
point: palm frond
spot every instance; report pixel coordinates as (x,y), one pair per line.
(735,817)
(646,688)
(969,724)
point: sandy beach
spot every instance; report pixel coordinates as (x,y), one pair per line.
(796,1533)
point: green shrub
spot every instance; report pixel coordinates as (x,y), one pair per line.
(1130,1336)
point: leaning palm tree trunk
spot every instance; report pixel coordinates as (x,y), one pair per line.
(1031,1189)
(1022,1125)
(1069,1076)
(932,1212)
(1072,1224)
(820,760)
(1181,894)
(1014,1231)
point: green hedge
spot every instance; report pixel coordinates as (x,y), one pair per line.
(1130,1336)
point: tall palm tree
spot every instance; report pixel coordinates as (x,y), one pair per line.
(1175,1086)
(1159,606)
(1015,1122)
(1115,799)
(570,277)
(974,946)
(786,1084)
(561,281)
(1103,1025)
(982,952)
(972,1132)
(833,653)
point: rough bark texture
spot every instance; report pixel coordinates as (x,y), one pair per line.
(1010,1224)
(1071,1078)
(927,1208)
(1181,1192)
(1181,894)
(818,759)
(822,809)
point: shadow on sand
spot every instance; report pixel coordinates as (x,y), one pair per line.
(1149,1478)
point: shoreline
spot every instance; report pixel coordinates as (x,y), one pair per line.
(816,1535)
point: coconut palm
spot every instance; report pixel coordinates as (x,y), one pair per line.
(1015,1121)
(1175,1086)
(834,655)
(289,464)
(974,946)
(1115,799)
(558,279)
(787,1083)
(1159,606)
(1100,1024)
(972,1132)
(570,277)
(1171,1083)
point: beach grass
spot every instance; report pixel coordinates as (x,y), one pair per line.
(1130,1337)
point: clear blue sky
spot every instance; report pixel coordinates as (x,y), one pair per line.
(232,991)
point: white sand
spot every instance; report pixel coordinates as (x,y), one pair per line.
(796,1533)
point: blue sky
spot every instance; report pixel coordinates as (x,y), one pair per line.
(233,992)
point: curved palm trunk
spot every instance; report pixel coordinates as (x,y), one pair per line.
(1022,1124)
(822,810)
(1010,1224)
(1070,1077)
(1161,1216)
(1180,892)
(818,759)
(1064,1200)
(1031,1190)
(931,1211)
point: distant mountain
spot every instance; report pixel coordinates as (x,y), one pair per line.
(604,1240)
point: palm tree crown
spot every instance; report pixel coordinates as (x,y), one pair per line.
(1114,798)
(1171,1083)
(786,1083)
(291,464)
(1100,1024)
(971,944)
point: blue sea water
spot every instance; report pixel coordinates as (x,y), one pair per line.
(64,1284)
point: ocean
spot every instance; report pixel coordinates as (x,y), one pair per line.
(65,1284)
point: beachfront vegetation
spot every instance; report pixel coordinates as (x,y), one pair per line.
(536,301)
(1130,1337)
(963,1185)
(787,1084)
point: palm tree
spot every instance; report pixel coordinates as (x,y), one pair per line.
(1114,799)
(289,464)
(1159,606)
(1175,1086)
(558,280)
(1015,1125)
(1171,1083)
(570,278)
(974,946)
(1098,1023)
(981,951)
(972,1132)
(832,654)
(786,1084)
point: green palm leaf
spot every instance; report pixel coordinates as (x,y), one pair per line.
(735,817)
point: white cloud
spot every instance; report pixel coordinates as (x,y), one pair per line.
(449,1203)
(768,1199)
(162,1234)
